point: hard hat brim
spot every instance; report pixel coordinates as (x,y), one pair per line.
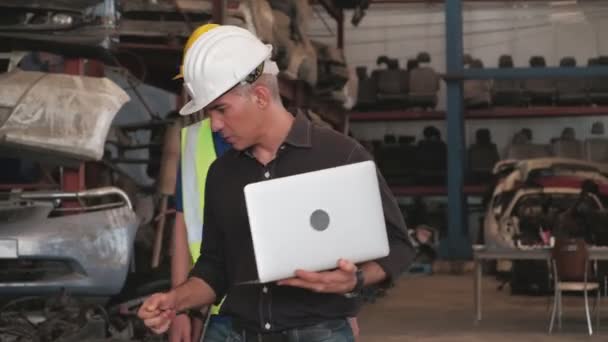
(190,108)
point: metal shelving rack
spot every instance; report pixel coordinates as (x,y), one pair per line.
(457,244)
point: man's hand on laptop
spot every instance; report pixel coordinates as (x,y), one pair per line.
(341,280)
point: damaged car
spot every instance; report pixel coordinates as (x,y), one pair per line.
(65,256)
(548,178)
(531,211)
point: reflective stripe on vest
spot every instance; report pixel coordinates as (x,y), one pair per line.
(198,152)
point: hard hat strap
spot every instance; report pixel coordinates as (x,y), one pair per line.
(266,67)
(255,74)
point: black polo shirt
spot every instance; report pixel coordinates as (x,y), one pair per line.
(227,257)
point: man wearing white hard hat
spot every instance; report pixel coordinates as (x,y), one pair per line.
(229,75)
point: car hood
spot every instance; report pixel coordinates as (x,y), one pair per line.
(60,114)
(62,5)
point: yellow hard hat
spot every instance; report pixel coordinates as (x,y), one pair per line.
(193,37)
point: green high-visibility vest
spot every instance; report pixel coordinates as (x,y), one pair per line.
(197,154)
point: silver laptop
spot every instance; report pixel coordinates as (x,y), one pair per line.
(311,220)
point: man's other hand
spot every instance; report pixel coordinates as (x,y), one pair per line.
(341,280)
(158,311)
(181,329)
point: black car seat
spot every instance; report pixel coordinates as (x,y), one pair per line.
(391,83)
(366,96)
(483,155)
(539,91)
(597,128)
(431,157)
(596,150)
(477,92)
(506,92)
(598,86)
(423,83)
(522,147)
(567,146)
(396,159)
(571,91)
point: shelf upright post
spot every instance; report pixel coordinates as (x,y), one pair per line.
(457,245)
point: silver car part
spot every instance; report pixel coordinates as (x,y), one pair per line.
(57,113)
(86,253)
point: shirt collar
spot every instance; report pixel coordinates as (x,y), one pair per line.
(299,135)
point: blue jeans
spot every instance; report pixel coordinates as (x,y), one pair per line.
(220,330)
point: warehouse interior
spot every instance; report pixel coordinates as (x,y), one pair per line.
(485,118)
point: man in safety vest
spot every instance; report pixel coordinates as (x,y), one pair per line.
(228,74)
(200,146)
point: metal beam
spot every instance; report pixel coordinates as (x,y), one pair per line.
(527,73)
(457,245)
(333,11)
(338,15)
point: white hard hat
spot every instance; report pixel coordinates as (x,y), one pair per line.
(221,59)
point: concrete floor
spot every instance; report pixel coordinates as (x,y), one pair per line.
(440,308)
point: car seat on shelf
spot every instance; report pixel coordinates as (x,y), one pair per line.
(483,155)
(567,146)
(539,91)
(391,84)
(366,95)
(596,150)
(431,156)
(598,86)
(476,93)
(423,83)
(506,92)
(396,159)
(571,91)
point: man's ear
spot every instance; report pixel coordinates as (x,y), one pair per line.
(262,96)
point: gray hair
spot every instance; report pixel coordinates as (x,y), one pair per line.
(267,80)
